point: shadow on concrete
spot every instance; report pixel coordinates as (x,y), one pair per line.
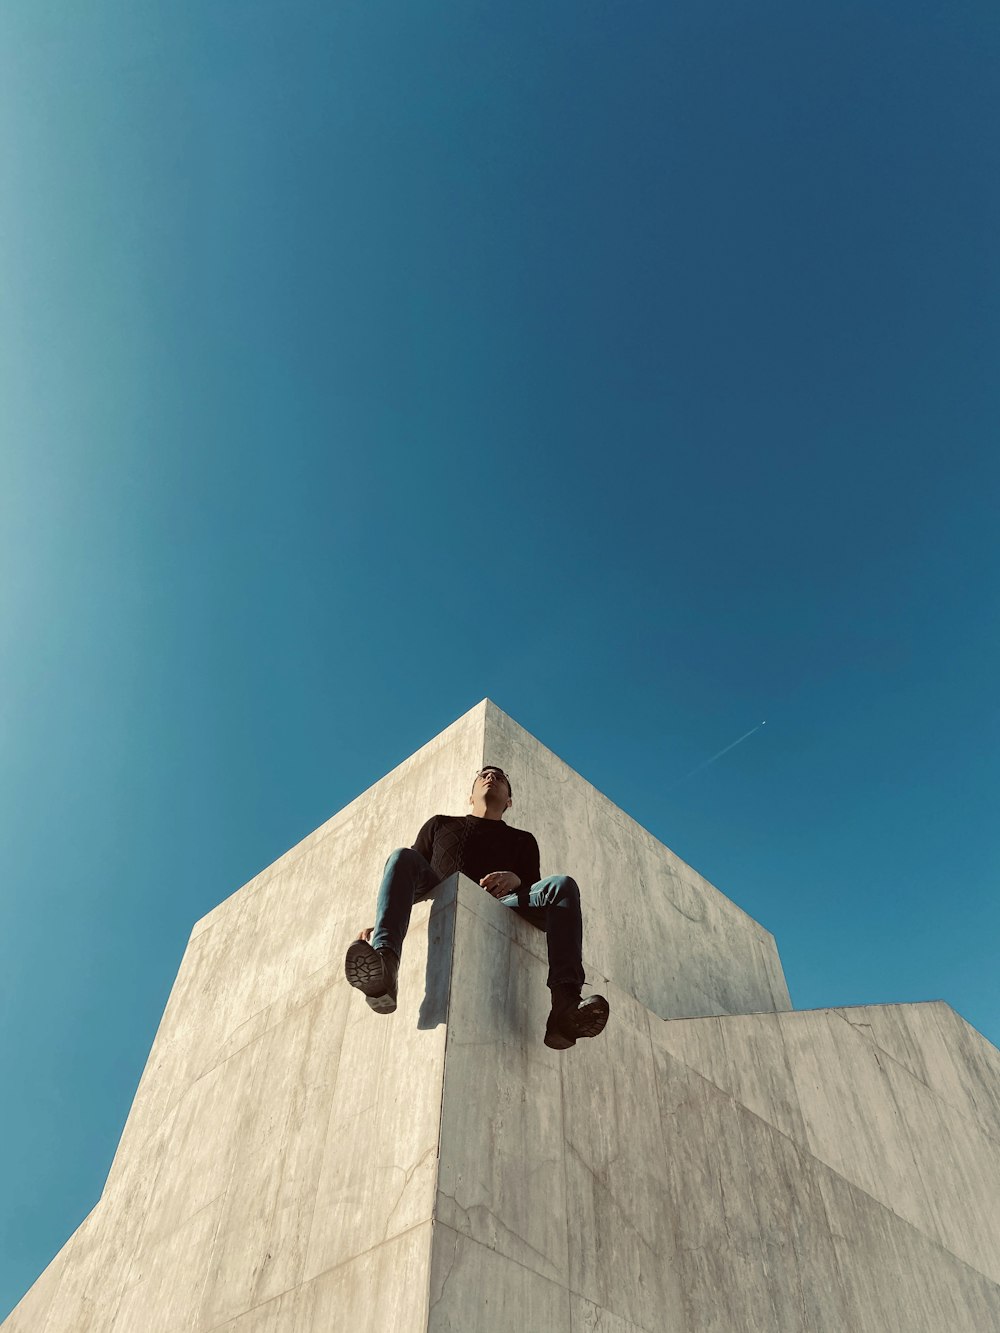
(440,949)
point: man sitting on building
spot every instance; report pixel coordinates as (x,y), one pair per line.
(473,844)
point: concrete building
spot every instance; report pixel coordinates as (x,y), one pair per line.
(714,1161)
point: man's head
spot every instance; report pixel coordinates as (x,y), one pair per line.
(491,794)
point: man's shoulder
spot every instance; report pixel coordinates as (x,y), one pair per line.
(443,821)
(521,833)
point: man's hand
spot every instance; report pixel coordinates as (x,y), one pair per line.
(500,882)
(366,934)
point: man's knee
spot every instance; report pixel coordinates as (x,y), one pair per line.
(405,856)
(563,889)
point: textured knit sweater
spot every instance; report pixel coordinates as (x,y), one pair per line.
(477,847)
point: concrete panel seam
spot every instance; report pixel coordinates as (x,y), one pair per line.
(763,1253)
(215,1236)
(448,1037)
(603,1187)
(302,1004)
(316,1276)
(789,1015)
(126,1285)
(562,1286)
(274,1204)
(408,1175)
(963,1114)
(500,1225)
(437,1227)
(565,1157)
(784,1055)
(837,1236)
(930,1211)
(807,1151)
(140,1236)
(674,1219)
(211,1069)
(505,935)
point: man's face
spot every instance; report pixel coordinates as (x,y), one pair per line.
(491,784)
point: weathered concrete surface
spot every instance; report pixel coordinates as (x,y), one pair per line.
(824,1079)
(294,1162)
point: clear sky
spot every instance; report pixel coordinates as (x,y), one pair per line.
(633,364)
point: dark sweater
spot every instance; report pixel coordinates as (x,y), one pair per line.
(477,847)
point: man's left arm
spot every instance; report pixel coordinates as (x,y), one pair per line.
(529,869)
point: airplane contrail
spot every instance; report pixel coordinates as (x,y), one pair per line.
(698,767)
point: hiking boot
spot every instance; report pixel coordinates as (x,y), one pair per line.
(373,972)
(571,1018)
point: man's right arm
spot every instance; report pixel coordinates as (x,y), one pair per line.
(425,839)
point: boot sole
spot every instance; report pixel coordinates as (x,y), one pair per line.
(588,1021)
(364,971)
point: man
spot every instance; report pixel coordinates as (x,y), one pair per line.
(474,844)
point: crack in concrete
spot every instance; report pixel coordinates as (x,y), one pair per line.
(605,1188)
(478,1210)
(407,1177)
(969,1113)
(451,1264)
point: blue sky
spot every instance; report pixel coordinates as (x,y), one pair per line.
(634,365)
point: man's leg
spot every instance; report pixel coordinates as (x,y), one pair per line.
(372,968)
(406,877)
(554,906)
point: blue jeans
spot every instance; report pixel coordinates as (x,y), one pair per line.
(553,906)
